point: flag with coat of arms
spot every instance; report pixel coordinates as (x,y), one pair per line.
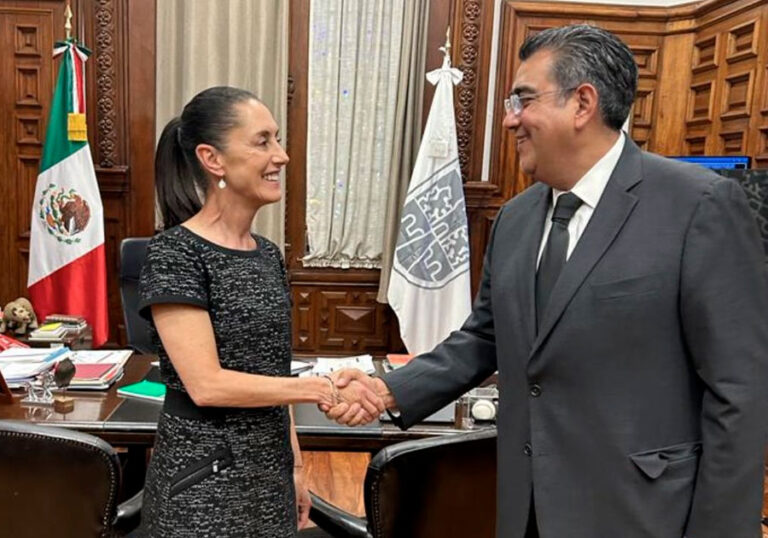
(429,287)
(67,265)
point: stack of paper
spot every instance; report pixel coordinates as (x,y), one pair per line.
(19,365)
(98,369)
(325,366)
(49,332)
(57,327)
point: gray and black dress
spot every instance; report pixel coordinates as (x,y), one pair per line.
(221,471)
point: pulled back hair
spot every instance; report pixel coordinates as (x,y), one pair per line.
(585,53)
(206,119)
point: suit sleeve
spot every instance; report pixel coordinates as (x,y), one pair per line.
(459,363)
(724,309)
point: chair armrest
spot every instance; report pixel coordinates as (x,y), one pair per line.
(129,513)
(335,521)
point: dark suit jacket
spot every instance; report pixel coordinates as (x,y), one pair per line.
(648,416)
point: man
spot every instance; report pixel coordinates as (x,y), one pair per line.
(632,376)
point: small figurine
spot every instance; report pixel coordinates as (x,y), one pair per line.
(18,315)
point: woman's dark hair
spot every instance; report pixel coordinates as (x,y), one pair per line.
(206,119)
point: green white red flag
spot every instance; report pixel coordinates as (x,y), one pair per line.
(67,265)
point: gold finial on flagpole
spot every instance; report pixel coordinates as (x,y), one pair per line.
(447,47)
(68,23)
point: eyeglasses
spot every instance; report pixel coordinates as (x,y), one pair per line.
(515,103)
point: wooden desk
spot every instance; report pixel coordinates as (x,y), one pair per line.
(132,423)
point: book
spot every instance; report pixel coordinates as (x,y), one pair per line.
(90,372)
(98,369)
(20,364)
(66,319)
(396,360)
(33,355)
(148,390)
(6,342)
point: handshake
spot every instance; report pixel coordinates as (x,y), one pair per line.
(355,398)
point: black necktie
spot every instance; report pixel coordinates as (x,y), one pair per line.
(554,255)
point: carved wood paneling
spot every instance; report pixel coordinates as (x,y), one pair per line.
(106,82)
(469,22)
(737,95)
(29,130)
(27,40)
(26,176)
(696,145)
(733,143)
(705,54)
(28,85)
(26,62)
(700,103)
(761,160)
(742,41)
(303,333)
(340,320)
(735,75)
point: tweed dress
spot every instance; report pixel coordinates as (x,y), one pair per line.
(232,474)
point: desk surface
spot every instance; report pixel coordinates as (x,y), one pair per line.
(129,421)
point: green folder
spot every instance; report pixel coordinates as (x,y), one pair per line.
(149,390)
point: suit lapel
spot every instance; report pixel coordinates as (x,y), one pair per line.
(611,213)
(525,271)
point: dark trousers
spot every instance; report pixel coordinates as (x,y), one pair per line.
(531,530)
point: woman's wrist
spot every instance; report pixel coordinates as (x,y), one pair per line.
(334,391)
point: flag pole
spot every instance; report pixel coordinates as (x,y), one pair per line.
(68,22)
(447,47)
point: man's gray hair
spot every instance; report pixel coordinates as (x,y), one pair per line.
(584,53)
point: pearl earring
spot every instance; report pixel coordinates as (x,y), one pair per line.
(222,184)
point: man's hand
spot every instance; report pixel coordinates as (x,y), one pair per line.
(357,392)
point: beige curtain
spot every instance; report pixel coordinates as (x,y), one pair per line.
(354,69)
(242,43)
(410,95)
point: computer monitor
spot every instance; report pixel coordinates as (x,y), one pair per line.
(718,162)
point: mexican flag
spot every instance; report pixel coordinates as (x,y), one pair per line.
(67,267)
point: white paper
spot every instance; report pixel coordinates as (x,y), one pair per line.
(327,365)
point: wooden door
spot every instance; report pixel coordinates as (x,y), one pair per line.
(26,45)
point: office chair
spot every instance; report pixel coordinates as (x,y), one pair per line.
(58,482)
(440,486)
(133,252)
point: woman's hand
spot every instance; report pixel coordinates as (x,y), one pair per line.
(303,501)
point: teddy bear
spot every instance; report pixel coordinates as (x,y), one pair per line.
(18,315)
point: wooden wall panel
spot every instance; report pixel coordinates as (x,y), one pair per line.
(120,94)
(27,33)
(723,109)
(341,319)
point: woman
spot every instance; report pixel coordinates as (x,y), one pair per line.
(226,459)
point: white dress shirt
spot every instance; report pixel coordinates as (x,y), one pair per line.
(589,188)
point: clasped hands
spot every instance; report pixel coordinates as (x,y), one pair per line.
(356,398)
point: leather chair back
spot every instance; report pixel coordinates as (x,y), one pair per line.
(441,486)
(133,252)
(56,482)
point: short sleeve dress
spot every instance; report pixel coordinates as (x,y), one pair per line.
(230,474)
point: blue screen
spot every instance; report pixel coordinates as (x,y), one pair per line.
(718,163)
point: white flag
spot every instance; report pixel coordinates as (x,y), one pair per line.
(429,287)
